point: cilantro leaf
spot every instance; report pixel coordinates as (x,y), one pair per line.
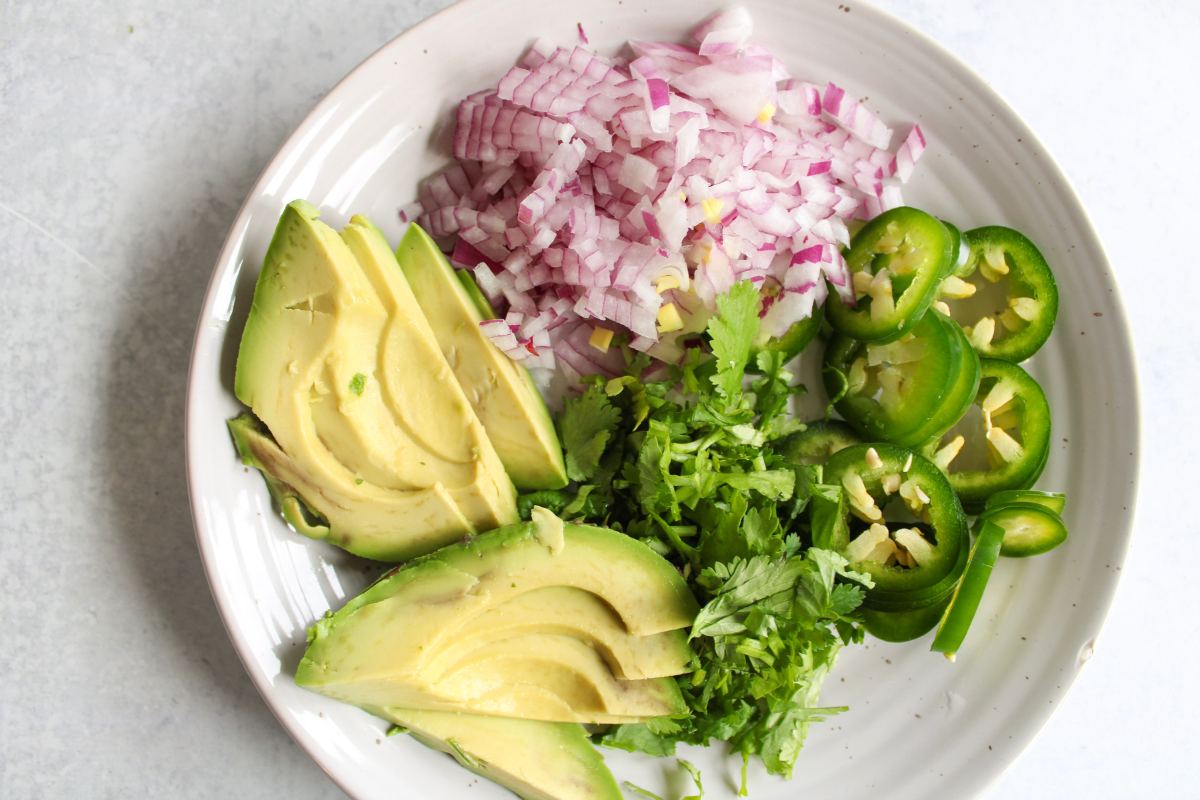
(845,597)
(761,530)
(586,425)
(641,737)
(732,333)
(745,583)
(637,393)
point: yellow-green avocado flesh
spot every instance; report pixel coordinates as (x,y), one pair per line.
(536,760)
(464,629)
(501,391)
(370,442)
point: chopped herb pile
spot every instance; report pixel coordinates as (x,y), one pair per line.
(687,460)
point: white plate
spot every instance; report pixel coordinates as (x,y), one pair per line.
(918,726)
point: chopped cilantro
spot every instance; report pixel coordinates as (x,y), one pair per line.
(689,464)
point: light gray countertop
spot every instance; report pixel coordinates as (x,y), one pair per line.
(128,136)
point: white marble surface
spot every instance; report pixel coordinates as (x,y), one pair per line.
(128,136)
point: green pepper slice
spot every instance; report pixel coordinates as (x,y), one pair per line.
(896,263)
(1016,324)
(1055,501)
(1005,445)
(959,614)
(1029,529)
(900,520)
(904,626)
(818,441)
(891,391)
(961,393)
(960,253)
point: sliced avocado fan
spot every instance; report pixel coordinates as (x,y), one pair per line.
(369,442)
(495,649)
(471,628)
(500,390)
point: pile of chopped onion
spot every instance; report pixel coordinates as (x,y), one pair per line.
(595,195)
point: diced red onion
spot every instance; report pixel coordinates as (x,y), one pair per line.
(584,182)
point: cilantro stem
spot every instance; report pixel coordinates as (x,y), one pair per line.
(683,548)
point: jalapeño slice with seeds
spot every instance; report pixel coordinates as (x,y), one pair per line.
(891,391)
(905,527)
(1013,323)
(896,263)
(934,594)
(1003,446)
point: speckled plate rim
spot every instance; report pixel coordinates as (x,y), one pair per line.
(1103,597)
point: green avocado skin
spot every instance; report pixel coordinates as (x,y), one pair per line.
(250,437)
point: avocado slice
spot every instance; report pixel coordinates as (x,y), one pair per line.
(366,427)
(573,612)
(501,391)
(418,637)
(536,760)
(569,667)
(547,677)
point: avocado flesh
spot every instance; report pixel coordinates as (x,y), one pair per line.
(501,391)
(536,760)
(571,612)
(393,645)
(369,428)
(542,676)
(566,666)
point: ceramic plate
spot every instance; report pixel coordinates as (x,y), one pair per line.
(918,726)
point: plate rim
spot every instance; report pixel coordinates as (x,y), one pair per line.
(1105,596)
